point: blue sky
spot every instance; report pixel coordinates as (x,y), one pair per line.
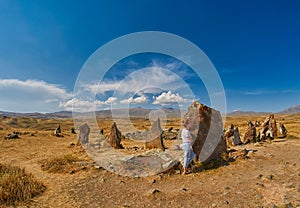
(254,45)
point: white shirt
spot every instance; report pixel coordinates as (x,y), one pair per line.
(186,136)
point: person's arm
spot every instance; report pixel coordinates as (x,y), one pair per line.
(189,137)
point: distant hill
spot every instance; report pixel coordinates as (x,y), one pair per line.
(291,110)
(133,112)
(246,113)
(61,114)
(138,112)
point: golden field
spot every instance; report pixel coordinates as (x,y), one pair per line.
(269,176)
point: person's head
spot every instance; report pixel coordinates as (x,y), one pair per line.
(186,123)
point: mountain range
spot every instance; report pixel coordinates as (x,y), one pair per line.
(137,112)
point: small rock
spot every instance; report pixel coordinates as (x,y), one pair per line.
(72,171)
(227,188)
(259,176)
(260,185)
(153,191)
(153,181)
(270,177)
(213,205)
(184,189)
(225,202)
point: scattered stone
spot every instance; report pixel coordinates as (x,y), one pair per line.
(153,181)
(259,176)
(57,131)
(184,189)
(282,131)
(153,191)
(115,137)
(12,136)
(232,136)
(225,202)
(269,128)
(154,137)
(73,130)
(270,177)
(250,135)
(237,153)
(83,137)
(260,185)
(227,188)
(72,145)
(101,132)
(207,132)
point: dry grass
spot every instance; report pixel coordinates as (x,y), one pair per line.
(60,164)
(17,186)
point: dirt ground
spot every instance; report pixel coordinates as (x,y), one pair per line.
(270,175)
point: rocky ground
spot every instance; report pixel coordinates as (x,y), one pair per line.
(268,175)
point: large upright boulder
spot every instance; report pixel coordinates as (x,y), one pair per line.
(83,136)
(154,136)
(207,132)
(115,137)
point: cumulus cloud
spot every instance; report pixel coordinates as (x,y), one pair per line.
(111,101)
(169,98)
(143,79)
(31,96)
(81,105)
(136,100)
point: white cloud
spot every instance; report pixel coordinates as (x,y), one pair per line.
(111,101)
(81,105)
(169,98)
(136,100)
(143,79)
(31,96)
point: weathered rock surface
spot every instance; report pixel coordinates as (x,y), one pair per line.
(232,136)
(250,134)
(115,137)
(83,137)
(154,136)
(207,132)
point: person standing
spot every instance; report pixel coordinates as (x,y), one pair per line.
(186,146)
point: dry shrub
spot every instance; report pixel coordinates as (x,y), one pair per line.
(60,164)
(17,186)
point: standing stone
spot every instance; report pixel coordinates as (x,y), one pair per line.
(282,130)
(272,126)
(269,128)
(57,131)
(115,137)
(154,136)
(236,137)
(207,132)
(84,134)
(250,135)
(73,130)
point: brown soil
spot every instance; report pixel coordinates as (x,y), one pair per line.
(269,176)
